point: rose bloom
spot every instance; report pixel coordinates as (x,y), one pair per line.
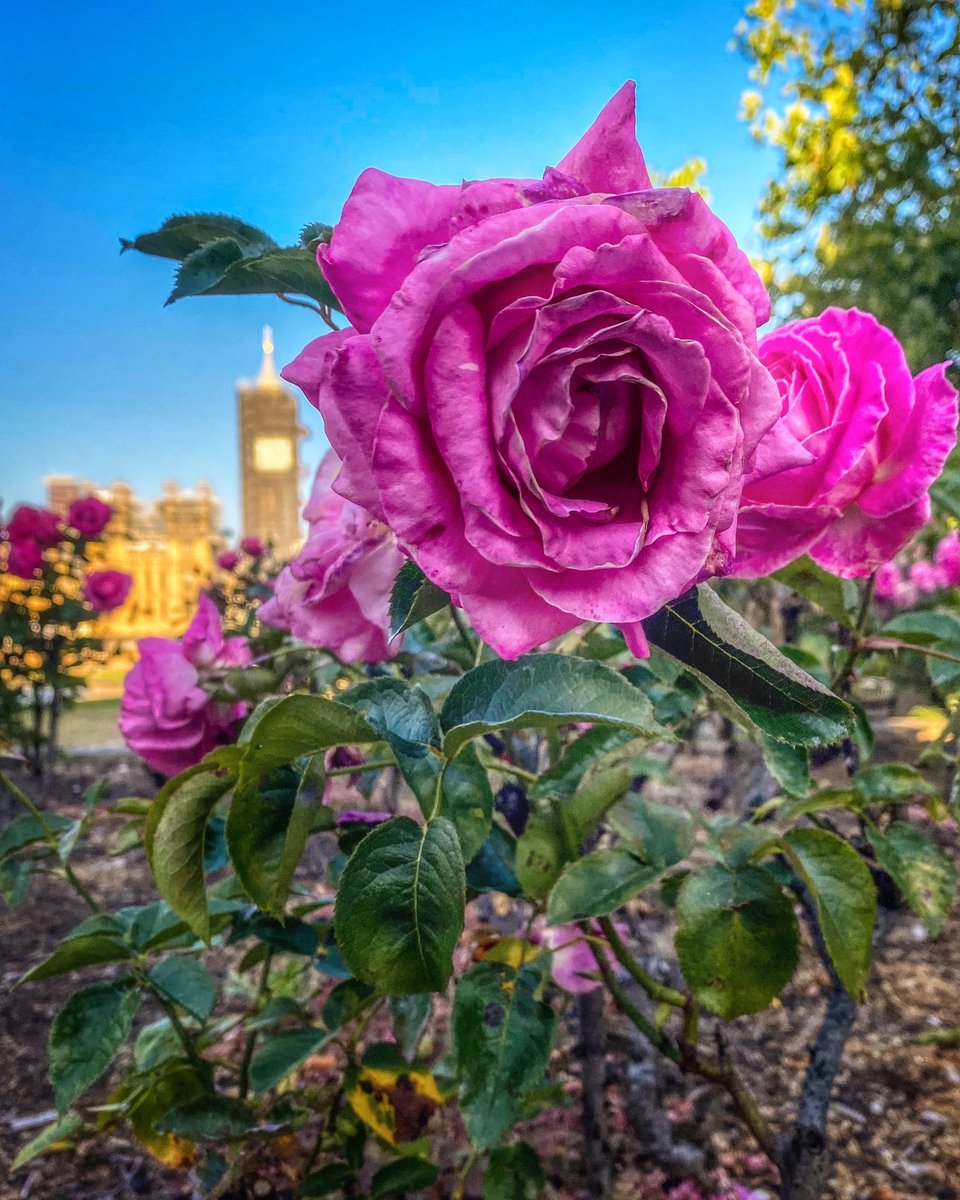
(336,592)
(227,561)
(107,590)
(947,558)
(253,546)
(550,390)
(875,438)
(36,523)
(24,558)
(165,715)
(926,577)
(572,959)
(89,516)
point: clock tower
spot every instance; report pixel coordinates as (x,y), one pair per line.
(269,459)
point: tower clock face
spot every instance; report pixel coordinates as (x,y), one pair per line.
(272,454)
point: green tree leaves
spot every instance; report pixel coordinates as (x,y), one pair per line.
(86,1035)
(400,906)
(413,598)
(927,878)
(740,665)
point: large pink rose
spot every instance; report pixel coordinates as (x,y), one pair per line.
(107,590)
(24,558)
(165,715)
(550,389)
(336,592)
(875,437)
(89,516)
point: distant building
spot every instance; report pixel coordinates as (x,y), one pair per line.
(167,545)
(269,457)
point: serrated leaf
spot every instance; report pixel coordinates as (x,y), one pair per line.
(208,1118)
(789,765)
(76,953)
(892,783)
(217,270)
(598,884)
(180,236)
(542,691)
(466,800)
(837,597)
(842,889)
(267,829)
(737,939)
(927,878)
(279,1055)
(403,1177)
(204,268)
(174,840)
(58,1131)
(400,904)
(501,1036)
(513,1173)
(279,731)
(413,598)
(86,1035)
(779,699)
(26,830)
(493,867)
(314,232)
(656,833)
(187,982)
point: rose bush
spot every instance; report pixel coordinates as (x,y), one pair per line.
(166,716)
(550,390)
(875,437)
(336,592)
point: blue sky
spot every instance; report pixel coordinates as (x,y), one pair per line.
(113,116)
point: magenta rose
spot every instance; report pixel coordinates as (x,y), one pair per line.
(947,558)
(336,592)
(89,516)
(166,716)
(875,437)
(227,561)
(550,390)
(38,524)
(253,546)
(24,558)
(107,590)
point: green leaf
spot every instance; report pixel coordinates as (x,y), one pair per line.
(187,982)
(737,938)
(493,868)
(789,765)
(560,782)
(542,691)
(345,1002)
(26,830)
(400,905)
(413,598)
(657,834)
(58,1131)
(86,1035)
(174,839)
(937,630)
(314,232)
(76,953)
(279,731)
(409,1015)
(282,1053)
(846,900)
(513,1173)
(208,1118)
(179,236)
(501,1036)
(402,1177)
(927,878)
(287,269)
(735,661)
(466,800)
(331,1178)
(837,597)
(598,884)
(14,881)
(542,852)
(892,783)
(205,268)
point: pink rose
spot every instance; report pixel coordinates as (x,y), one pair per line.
(336,592)
(89,516)
(25,558)
(252,546)
(889,583)
(573,962)
(948,559)
(165,715)
(107,590)
(227,561)
(36,523)
(876,439)
(926,577)
(550,391)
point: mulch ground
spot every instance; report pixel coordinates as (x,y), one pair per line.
(896,1117)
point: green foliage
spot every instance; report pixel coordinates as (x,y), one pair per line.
(282,1053)
(402,1177)
(733,660)
(413,598)
(837,597)
(186,982)
(513,1173)
(598,884)
(59,1130)
(86,1035)
(927,878)
(400,906)
(501,1039)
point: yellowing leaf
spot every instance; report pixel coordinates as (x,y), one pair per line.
(392,1098)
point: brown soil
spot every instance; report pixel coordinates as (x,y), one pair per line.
(896,1117)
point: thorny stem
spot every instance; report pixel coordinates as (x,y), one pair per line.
(50,838)
(842,678)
